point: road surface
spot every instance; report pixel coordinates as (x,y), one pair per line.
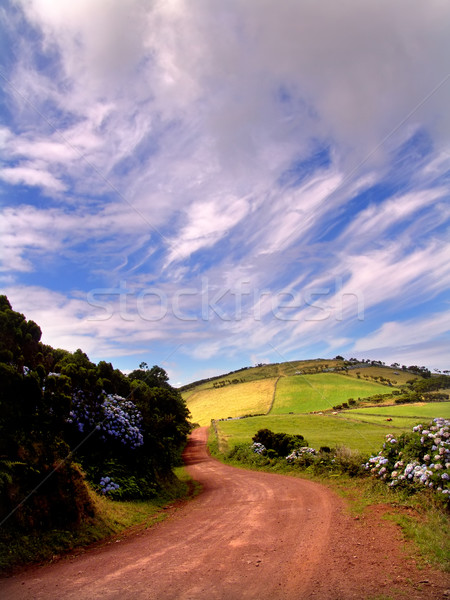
(248,535)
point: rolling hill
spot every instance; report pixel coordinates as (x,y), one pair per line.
(286,397)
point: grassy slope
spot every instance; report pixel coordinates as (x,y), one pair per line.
(231,401)
(307,393)
(359,429)
(267,371)
(366,373)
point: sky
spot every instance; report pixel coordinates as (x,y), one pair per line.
(206,185)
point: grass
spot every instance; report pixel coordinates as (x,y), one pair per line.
(307,393)
(418,410)
(363,430)
(112,518)
(386,372)
(401,415)
(318,430)
(421,519)
(430,530)
(234,400)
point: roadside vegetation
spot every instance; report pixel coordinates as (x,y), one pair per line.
(72,430)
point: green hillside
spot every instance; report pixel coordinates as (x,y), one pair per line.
(263,372)
(285,397)
(307,393)
(374,373)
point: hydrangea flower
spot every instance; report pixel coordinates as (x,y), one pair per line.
(112,416)
(108,485)
(296,454)
(416,451)
(258,448)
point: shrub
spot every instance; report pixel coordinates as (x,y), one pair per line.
(417,459)
(340,460)
(281,443)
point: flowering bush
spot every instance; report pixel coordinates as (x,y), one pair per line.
(278,444)
(122,420)
(107,485)
(258,448)
(300,453)
(418,459)
(115,417)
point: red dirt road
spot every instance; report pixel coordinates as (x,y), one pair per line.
(248,535)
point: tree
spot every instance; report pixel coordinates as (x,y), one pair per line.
(154,377)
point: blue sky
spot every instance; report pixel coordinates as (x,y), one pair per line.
(208,185)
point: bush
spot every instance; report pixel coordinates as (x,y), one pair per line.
(245,454)
(281,444)
(416,460)
(339,460)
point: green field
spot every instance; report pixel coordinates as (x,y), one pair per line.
(420,410)
(402,415)
(318,430)
(307,393)
(234,400)
(344,429)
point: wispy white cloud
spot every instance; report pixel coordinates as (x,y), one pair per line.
(415,331)
(207,222)
(159,136)
(32,176)
(375,220)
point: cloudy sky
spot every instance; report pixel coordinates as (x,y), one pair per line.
(207,184)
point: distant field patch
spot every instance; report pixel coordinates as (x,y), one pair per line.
(402,415)
(231,401)
(395,376)
(307,393)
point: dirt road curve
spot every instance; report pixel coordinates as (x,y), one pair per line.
(248,535)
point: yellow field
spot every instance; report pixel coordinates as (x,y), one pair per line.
(236,400)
